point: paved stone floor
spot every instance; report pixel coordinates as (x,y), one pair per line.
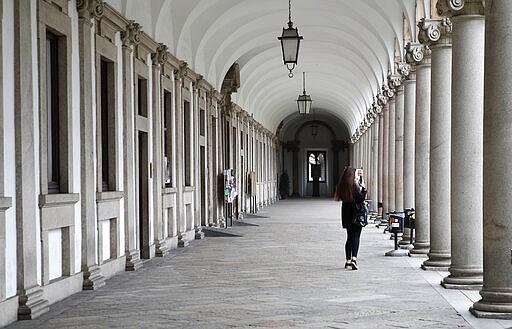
(281,268)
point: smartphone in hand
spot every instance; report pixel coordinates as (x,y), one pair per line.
(359,176)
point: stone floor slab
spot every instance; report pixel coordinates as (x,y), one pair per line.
(284,269)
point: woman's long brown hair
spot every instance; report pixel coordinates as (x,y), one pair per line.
(345,186)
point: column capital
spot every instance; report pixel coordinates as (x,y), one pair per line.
(404,69)
(435,31)
(90,9)
(417,54)
(452,8)
(382,100)
(131,36)
(160,55)
(377,108)
(395,82)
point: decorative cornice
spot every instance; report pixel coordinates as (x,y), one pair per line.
(452,8)
(90,9)
(160,56)
(435,31)
(131,36)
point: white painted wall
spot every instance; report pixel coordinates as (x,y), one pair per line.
(55,253)
(105,238)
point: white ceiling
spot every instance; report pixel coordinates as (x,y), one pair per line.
(347,50)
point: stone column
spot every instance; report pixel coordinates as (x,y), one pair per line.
(380,173)
(408,71)
(375,165)
(496,294)
(467,138)
(130,37)
(91,271)
(385,161)
(158,58)
(396,82)
(391,150)
(31,299)
(422,152)
(437,34)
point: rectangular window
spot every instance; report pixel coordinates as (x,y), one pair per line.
(142,94)
(52,99)
(167,162)
(107,125)
(202,121)
(316,165)
(186,143)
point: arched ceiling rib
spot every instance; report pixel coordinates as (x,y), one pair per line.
(346,52)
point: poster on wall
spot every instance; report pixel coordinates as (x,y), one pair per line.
(230,191)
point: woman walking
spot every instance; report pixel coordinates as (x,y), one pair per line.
(349,191)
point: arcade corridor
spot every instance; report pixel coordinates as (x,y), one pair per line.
(282,268)
(131,130)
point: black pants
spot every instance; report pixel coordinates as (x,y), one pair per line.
(352,244)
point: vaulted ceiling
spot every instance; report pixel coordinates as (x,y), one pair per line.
(348,49)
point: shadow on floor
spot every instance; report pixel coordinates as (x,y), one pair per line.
(211,232)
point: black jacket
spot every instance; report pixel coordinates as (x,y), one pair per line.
(348,207)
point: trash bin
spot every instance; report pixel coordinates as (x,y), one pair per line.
(396,222)
(409,220)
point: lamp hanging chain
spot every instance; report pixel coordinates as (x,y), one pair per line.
(304,83)
(290,12)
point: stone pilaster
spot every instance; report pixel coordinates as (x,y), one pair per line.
(437,34)
(496,294)
(408,71)
(422,150)
(158,58)
(31,300)
(466,136)
(91,272)
(130,37)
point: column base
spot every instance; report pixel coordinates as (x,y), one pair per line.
(92,278)
(199,233)
(223,222)
(464,279)
(495,304)
(133,261)
(437,262)
(397,253)
(420,249)
(182,241)
(405,246)
(406,242)
(161,248)
(32,304)
(434,268)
